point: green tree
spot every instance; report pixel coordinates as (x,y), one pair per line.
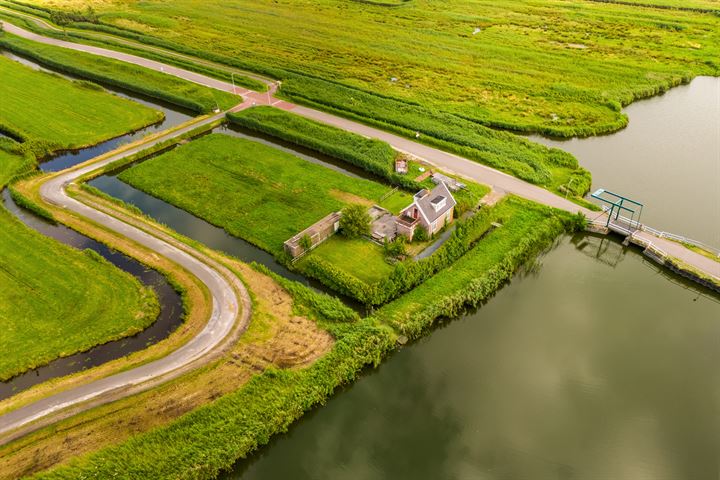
(305,243)
(355,221)
(421,235)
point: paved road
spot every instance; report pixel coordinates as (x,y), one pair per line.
(53,192)
(225,304)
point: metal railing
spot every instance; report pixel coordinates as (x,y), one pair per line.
(663,234)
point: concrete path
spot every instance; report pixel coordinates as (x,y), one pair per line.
(226,307)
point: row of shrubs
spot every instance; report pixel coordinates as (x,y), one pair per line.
(98,26)
(408,274)
(453,303)
(327,307)
(502,150)
(374,156)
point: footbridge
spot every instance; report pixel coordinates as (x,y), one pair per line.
(678,253)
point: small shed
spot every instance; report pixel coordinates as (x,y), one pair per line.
(401,166)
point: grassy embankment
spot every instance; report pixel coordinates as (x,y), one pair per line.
(56,300)
(50,113)
(191,96)
(214,436)
(550,168)
(526,229)
(248,193)
(40,20)
(579,62)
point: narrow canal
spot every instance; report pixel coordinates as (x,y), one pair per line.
(171,305)
(171,314)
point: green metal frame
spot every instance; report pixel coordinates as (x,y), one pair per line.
(617,204)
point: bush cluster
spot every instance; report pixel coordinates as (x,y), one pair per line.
(405,275)
(502,150)
(211,438)
(325,306)
(480,288)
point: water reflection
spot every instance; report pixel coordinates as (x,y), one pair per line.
(590,369)
(668,158)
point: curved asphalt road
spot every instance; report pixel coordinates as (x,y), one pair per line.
(223,297)
(225,306)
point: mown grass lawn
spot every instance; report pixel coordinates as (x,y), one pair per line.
(358,257)
(56,300)
(61,113)
(253,191)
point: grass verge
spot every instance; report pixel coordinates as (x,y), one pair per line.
(144,81)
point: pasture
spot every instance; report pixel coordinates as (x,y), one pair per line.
(555,66)
(61,114)
(253,191)
(140,80)
(55,300)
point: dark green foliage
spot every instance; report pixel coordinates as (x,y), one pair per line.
(408,274)
(371,155)
(578,222)
(28,204)
(306,242)
(420,235)
(338,280)
(528,230)
(66,17)
(355,221)
(502,150)
(396,248)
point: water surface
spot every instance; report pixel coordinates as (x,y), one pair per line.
(598,366)
(169,318)
(668,158)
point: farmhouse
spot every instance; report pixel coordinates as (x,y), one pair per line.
(431,210)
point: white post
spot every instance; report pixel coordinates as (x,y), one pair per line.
(232,75)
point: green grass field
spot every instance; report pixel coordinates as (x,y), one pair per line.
(63,114)
(56,300)
(555,66)
(358,257)
(141,80)
(253,191)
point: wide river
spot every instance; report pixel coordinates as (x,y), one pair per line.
(668,158)
(596,365)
